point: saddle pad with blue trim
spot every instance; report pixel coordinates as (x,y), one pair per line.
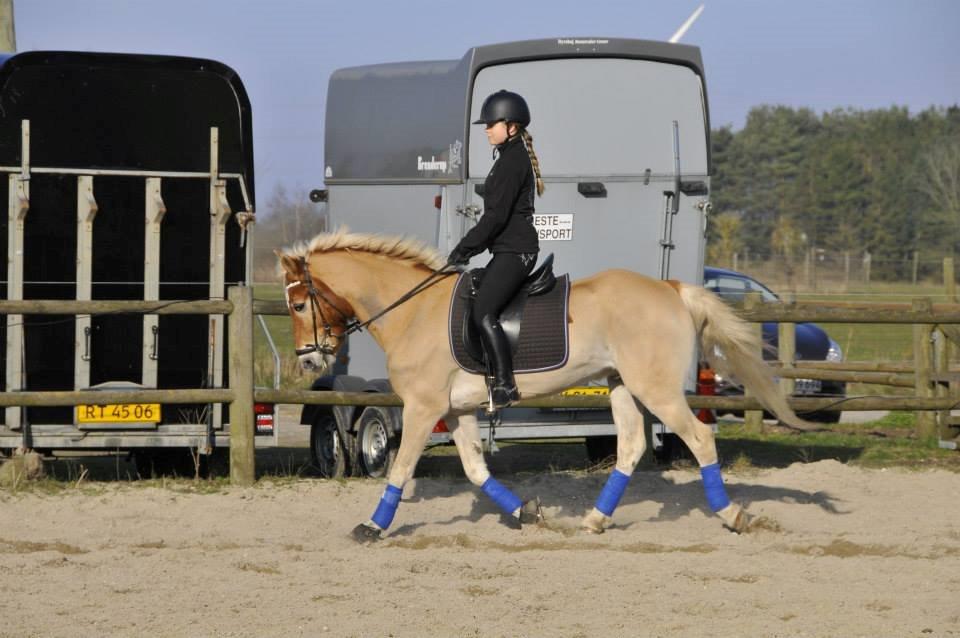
(543,342)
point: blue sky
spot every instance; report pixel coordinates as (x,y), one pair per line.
(816,53)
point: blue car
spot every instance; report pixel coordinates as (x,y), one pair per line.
(813,343)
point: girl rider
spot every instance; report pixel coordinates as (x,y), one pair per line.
(506,230)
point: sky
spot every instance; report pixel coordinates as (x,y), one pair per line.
(821,54)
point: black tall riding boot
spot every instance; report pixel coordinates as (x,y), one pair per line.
(503,388)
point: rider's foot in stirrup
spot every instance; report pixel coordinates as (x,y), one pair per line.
(502,396)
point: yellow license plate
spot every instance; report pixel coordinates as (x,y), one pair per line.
(593,390)
(119,413)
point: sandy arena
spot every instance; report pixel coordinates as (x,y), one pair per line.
(838,551)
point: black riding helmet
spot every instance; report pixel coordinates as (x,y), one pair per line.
(504,106)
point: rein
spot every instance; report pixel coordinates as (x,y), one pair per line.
(351,324)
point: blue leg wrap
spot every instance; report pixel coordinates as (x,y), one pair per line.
(387,507)
(612,492)
(713,487)
(502,496)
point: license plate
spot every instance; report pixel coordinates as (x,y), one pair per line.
(807,386)
(585,391)
(119,413)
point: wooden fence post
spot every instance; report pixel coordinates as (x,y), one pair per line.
(948,423)
(787,349)
(242,461)
(753,419)
(923,362)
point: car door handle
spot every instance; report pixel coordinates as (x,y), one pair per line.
(592,189)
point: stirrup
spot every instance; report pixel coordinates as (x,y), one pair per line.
(502,396)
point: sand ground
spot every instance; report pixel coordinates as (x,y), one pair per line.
(838,551)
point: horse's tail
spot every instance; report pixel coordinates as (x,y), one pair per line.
(733,348)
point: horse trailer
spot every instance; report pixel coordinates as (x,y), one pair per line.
(622,131)
(128,177)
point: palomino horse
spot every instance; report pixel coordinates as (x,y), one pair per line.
(638,333)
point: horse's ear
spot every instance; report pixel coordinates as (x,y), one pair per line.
(289,264)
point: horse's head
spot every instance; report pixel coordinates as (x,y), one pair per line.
(320,316)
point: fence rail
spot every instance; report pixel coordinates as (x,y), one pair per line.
(935,384)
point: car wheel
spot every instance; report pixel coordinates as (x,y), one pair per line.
(328,451)
(822,417)
(376,441)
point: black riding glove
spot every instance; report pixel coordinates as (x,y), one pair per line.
(458,257)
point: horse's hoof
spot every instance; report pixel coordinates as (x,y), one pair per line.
(593,522)
(365,534)
(741,524)
(531,513)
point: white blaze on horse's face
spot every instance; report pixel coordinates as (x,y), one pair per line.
(304,336)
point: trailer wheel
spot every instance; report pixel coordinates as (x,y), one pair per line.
(601,448)
(328,451)
(376,441)
(672,449)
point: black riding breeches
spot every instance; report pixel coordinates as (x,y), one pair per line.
(502,279)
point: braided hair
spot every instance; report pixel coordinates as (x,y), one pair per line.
(534,160)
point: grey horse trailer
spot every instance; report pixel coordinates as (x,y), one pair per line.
(126,177)
(621,128)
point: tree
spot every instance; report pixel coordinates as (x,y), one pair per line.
(726,239)
(286,219)
(939,180)
(789,243)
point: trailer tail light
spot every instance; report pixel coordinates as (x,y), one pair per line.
(440,427)
(263,414)
(706,387)
(438,202)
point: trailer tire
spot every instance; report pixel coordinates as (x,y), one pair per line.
(672,449)
(328,450)
(601,448)
(376,441)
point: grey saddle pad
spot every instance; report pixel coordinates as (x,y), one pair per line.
(544,341)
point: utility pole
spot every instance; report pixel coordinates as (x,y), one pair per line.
(8,36)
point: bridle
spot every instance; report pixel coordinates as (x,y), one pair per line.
(350,322)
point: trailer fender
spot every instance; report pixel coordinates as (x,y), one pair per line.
(383,386)
(344,414)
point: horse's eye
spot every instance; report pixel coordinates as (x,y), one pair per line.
(298,307)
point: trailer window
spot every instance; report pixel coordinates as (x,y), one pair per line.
(600,116)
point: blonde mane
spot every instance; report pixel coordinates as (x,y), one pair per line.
(403,248)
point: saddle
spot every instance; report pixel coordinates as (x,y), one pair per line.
(534,321)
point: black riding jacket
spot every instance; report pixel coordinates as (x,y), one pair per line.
(506,225)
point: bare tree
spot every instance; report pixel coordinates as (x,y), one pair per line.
(288,217)
(788,242)
(726,240)
(939,180)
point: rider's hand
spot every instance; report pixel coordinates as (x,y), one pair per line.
(458,257)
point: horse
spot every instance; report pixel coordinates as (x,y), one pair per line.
(638,333)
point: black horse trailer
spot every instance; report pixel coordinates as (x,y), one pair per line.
(127,177)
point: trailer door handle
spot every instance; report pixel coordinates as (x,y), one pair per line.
(86,344)
(153,350)
(592,189)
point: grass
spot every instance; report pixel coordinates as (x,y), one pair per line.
(280,328)
(888,442)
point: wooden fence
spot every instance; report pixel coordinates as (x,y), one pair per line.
(935,383)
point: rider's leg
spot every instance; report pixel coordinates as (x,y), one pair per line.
(502,279)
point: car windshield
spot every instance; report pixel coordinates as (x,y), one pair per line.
(733,288)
